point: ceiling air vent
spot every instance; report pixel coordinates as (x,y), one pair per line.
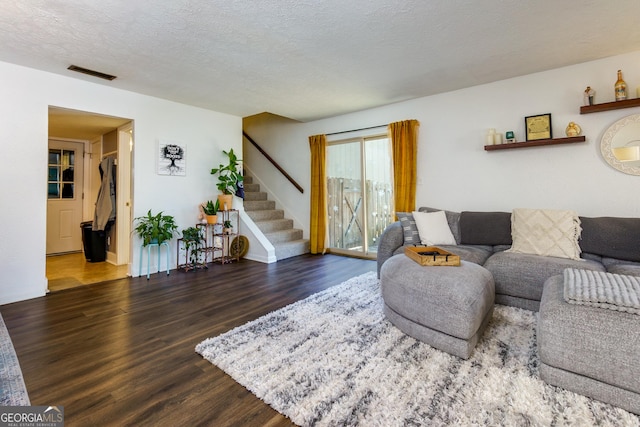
(91,72)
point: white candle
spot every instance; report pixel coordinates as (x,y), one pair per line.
(491,137)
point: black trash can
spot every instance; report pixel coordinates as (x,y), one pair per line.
(94,242)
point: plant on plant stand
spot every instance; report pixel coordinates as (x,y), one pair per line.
(229,179)
(227,228)
(192,239)
(155,228)
(211,209)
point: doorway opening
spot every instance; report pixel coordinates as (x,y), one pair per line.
(80,143)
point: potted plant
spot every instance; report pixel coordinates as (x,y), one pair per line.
(192,239)
(155,228)
(211,209)
(229,178)
(227,228)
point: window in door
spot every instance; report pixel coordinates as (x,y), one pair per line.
(61,171)
(359,194)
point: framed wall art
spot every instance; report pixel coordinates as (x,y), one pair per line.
(538,127)
(172,158)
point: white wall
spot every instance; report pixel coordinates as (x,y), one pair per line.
(27,94)
(454,171)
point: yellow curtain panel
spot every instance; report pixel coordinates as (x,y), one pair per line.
(404,145)
(318,220)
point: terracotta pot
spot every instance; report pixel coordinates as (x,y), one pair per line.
(226,201)
(212,219)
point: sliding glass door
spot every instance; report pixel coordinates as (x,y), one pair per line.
(360,194)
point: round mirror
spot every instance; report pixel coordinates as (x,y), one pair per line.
(620,145)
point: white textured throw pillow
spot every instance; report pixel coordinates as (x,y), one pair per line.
(546,232)
(433,228)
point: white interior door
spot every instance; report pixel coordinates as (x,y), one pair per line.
(65,192)
(123,192)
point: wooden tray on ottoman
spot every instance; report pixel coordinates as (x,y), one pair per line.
(438,256)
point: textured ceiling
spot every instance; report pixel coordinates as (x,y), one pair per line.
(310,59)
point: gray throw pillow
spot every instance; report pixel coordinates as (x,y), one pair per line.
(612,237)
(485,228)
(409,228)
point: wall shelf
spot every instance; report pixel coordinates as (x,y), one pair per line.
(615,105)
(537,143)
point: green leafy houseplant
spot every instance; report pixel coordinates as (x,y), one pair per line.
(211,208)
(192,238)
(227,227)
(228,175)
(155,228)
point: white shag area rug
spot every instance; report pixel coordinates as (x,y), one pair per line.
(13,391)
(334,360)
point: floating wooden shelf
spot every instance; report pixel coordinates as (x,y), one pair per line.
(615,105)
(537,143)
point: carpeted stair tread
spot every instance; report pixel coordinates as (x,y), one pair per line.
(251,188)
(265,214)
(271,225)
(258,205)
(280,236)
(292,248)
(251,196)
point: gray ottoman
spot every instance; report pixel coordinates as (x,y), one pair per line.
(446,307)
(589,350)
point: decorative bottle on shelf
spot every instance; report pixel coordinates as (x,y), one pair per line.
(621,88)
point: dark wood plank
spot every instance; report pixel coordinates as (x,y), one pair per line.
(123,352)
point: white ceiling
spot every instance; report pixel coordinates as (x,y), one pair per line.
(73,124)
(310,59)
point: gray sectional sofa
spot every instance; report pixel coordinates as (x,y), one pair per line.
(609,244)
(587,349)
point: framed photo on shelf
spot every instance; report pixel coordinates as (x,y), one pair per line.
(538,127)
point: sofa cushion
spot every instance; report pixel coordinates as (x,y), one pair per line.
(592,257)
(485,228)
(475,254)
(591,342)
(522,275)
(617,266)
(611,237)
(453,218)
(546,232)
(409,228)
(626,269)
(433,228)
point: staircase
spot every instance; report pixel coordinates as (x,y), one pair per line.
(286,240)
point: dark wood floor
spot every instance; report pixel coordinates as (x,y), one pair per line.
(122,353)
